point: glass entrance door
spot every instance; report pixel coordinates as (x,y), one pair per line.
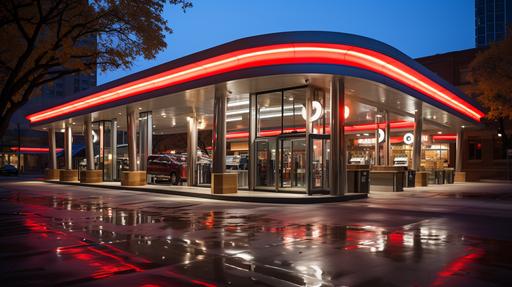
(292,163)
(319,164)
(281,163)
(265,163)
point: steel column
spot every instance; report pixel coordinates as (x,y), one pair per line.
(131,120)
(458,150)
(418,128)
(89,150)
(191,151)
(68,147)
(219,131)
(52,144)
(113,148)
(145,138)
(252,139)
(387,143)
(338,151)
(377,144)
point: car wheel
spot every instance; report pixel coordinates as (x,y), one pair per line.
(174,179)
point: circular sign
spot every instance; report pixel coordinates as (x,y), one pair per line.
(317,111)
(408,138)
(381,135)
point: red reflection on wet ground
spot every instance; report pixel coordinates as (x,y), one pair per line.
(210,220)
(460,264)
(104,263)
(396,238)
(37,227)
(185,278)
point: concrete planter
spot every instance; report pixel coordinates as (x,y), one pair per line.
(68,175)
(133,178)
(224,183)
(91,176)
(52,174)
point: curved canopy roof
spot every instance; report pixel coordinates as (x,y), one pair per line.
(271,54)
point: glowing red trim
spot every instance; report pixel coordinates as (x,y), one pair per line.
(372,127)
(371,141)
(34,149)
(355,128)
(450,137)
(299,53)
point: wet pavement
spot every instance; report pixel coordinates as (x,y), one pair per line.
(57,235)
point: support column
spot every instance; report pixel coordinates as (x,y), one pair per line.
(460,176)
(222,182)
(191,151)
(131,120)
(387,143)
(338,151)
(68,174)
(132,177)
(252,139)
(377,143)
(145,138)
(90,175)
(52,172)
(113,143)
(418,128)
(89,150)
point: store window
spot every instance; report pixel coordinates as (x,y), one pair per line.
(281,112)
(237,138)
(498,148)
(474,148)
(319,114)
(269,113)
(294,111)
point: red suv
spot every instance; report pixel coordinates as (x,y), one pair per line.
(172,166)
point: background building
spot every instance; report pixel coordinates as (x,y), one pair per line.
(492,18)
(482,156)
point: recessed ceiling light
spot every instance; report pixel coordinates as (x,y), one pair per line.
(439,132)
(140,109)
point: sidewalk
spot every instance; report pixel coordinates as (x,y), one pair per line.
(241,196)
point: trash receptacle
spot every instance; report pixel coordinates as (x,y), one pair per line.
(363,181)
(411,178)
(439,176)
(449,175)
(351,181)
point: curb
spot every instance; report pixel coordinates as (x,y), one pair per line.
(255,199)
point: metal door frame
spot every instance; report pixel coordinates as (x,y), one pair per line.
(311,189)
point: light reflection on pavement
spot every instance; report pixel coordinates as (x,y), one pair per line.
(54,235)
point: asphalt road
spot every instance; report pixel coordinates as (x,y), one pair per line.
(57,235)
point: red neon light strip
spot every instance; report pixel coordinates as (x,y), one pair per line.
(448,137)
(392,140)
(354,128)
(35,149)
(299,53)
(372,127)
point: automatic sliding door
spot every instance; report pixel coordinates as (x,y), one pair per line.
(265,163)
(293,163)
(319,163)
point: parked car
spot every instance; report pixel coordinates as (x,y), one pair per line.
(8,170)
(172,166)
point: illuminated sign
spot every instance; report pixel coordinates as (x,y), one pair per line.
(382,135)
(408,138)
(317,111)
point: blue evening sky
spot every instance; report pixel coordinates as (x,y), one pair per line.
(417,28)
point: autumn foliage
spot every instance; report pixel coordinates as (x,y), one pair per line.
(43,40)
